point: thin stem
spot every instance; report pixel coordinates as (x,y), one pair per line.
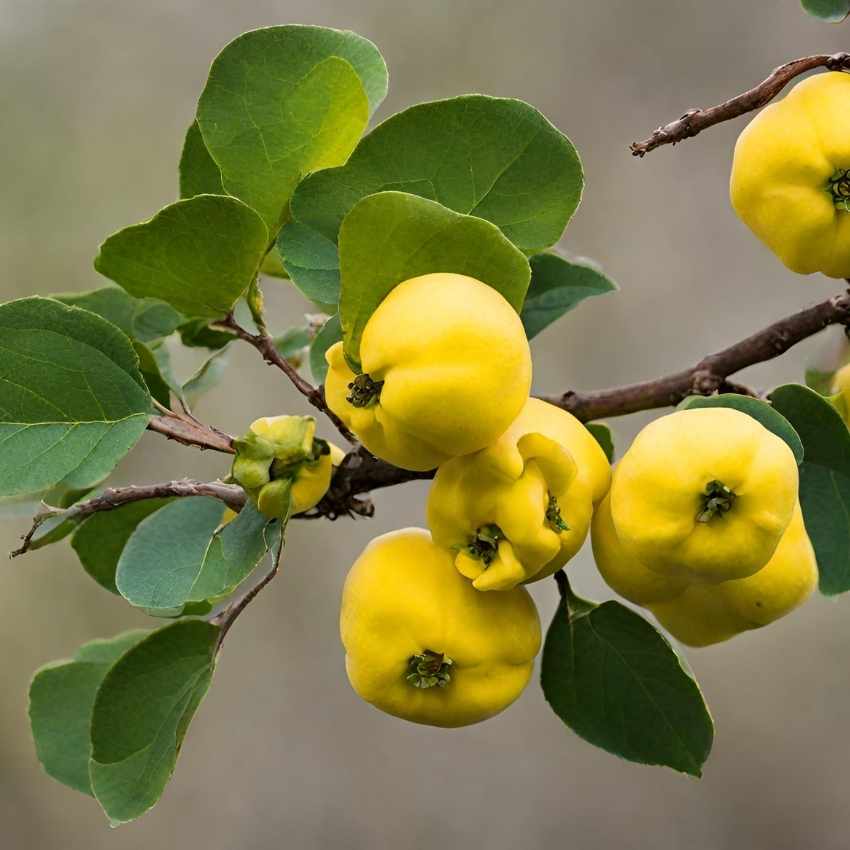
(265,345)
(694,121)
(191,433)
(115,497)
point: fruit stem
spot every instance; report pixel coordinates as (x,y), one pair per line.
(553,515)
(364,391)
(839,187)
(717,499)
(429,669)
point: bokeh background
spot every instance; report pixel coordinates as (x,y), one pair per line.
(95,97)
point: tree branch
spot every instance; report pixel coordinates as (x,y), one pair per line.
(265,345)
(114,497)
(696,120)
(190,432)
(711,373)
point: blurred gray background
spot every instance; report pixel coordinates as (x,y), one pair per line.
(95,97)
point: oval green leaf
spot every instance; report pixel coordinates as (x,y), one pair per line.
(619,684)
(72,399)
(199,255)
(833,11)
(282,102)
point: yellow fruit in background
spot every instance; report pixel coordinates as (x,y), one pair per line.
(422,644)
(705,494)
(519,509)
(702,613)
(446,368)
(791,176)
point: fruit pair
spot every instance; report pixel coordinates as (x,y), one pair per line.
(703,526)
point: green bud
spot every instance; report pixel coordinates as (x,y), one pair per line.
(273,499)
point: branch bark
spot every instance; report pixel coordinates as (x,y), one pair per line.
(114,497)
(265,345)
(191,433)
(694,121)
(711,373)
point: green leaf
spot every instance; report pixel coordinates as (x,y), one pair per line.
(819,381)
(833,11)
(282,102)
(163,557)
(392,236)
(761,411)
(199,255)
(199,175)
(329,335)
(602,434)
(150,368)
(197,333)
(72,399)
(208,374)
(494,158)
(233,553)
(100,540)
(824,480)
(143,319)
(142,712)
(557,286)
(311,261)
(619,684)
(61,698)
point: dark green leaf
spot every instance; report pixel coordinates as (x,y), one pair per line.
(142,712)
(833,11)
(312,262)
(330,334)
(390,237)
(163,557)
(199,255)
(144,319)
(150,369)
(761,411)
(824,480)
(72,399)
(100,540)
(198,334)
(602,434)
(282,102)
(233,553)
(494,158)
(199,175)
(617,682)
(60,706)
(557,286)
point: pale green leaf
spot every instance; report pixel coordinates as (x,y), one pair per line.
(199,255)
(833,11)
(282,102)
(206,376)
(142,712)
(61,698)
(72,399)
(392,236)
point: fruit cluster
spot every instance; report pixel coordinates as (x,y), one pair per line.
(700,522)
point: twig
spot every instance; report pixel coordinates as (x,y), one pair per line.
(711,373)
(696,120)
(191,433)
(225,618)
(115,497)
(265,345)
